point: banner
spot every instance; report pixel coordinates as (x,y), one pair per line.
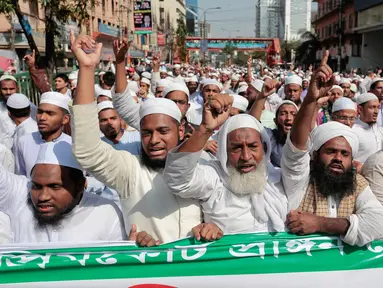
(161,39)
(142,15)
(254,260)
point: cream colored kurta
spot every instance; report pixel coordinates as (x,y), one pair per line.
(145,199)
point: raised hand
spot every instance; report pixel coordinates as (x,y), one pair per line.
(120,48)
(269,87)
(216,111)
(250,60)
(30,59)
(156,61)
(321,80)
(79,46)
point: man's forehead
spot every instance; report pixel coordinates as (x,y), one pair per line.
(107,113)
(345,112)
(293,86)
(339,143)
(157,120)
(8,83)
(287,107)
(48,107)
(244,133)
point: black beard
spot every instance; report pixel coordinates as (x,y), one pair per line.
(155,165)
(331,185)
(42,222)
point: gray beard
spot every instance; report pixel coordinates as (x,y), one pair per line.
(248,183)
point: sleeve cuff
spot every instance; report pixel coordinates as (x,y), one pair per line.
(295,150)
(352,232)
(126,92)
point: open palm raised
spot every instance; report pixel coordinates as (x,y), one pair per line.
(84,43)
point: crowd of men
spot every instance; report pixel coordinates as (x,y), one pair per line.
(154,153)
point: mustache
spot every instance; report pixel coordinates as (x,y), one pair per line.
(336,163)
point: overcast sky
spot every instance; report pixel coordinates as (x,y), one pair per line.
(235,15)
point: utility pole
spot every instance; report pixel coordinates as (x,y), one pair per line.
(340,13)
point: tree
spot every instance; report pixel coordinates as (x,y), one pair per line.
(286,48)
(228,50)
(181,34)
(306,51)
(57,13)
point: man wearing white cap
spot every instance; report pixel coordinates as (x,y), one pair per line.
(293,89)
(145,200)
(240,192)
(345,83)
(177,71)
(103,95)
(160,86)
(19,108)
(369,134)
(195,95)
(344,111)
(330,197)
(239,105)
(144,93)
(52,115)
(377,89)
(325,110)
(234,83)
(55,207)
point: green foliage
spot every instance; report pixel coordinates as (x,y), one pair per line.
(6,7)
(181,34)
(228,49)
(306,51)
(286,49)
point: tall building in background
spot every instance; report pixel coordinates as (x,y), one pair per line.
(192,17)
(204,31)
(270,18)
(297,18)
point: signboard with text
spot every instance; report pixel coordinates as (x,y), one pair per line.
(218,44)
(143,17)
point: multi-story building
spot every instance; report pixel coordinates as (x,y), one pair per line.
(297,18)
(334,31)
(108,20)
(204,29)
(370,29)
(192,17)
(270,20)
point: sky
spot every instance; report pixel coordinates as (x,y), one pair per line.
(236,17)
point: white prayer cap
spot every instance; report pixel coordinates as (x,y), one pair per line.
(235,77)
(336,87)
(146,81)
(234,123)
(225,72)
(376,80)
(170,79)
(146,75)
(240,102)
(56,99)
(7,77)
(57,153)
(104,105)
(343,103)
(211,82)
(214,74)
(240,84)
(133,86)
(289,102)
(170,73)
(193,79)
(293,79)
(101,73)
(266,77)
(18,101)
(325,132)
(176,86)
(345,81)
(243,88)
(160,106)
(162,83)
(73,75)
(337,78)
(257,84)
(163,69)
(104,92)
(177,66)
(365,97)
(353,88)
(308,80)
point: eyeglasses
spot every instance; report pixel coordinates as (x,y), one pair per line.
(181,102)
(344,118)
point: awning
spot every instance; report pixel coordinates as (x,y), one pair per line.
(369,28)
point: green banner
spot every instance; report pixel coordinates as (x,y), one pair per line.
(245,254)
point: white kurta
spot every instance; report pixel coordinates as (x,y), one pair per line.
(231,212)
(26,127)
(27,150)
(130,141)
(370,139)
(7,127)
(93,219)
(145,199)
(366,224)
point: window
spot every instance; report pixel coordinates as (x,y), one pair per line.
(112,5)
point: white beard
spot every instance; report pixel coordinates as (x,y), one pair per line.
(248,183)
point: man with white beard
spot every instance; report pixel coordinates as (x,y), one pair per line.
(239,192)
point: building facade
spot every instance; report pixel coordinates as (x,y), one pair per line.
(192,17)
(334,31)
(370,29)
(297,18)
(204,30)
(270,18)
